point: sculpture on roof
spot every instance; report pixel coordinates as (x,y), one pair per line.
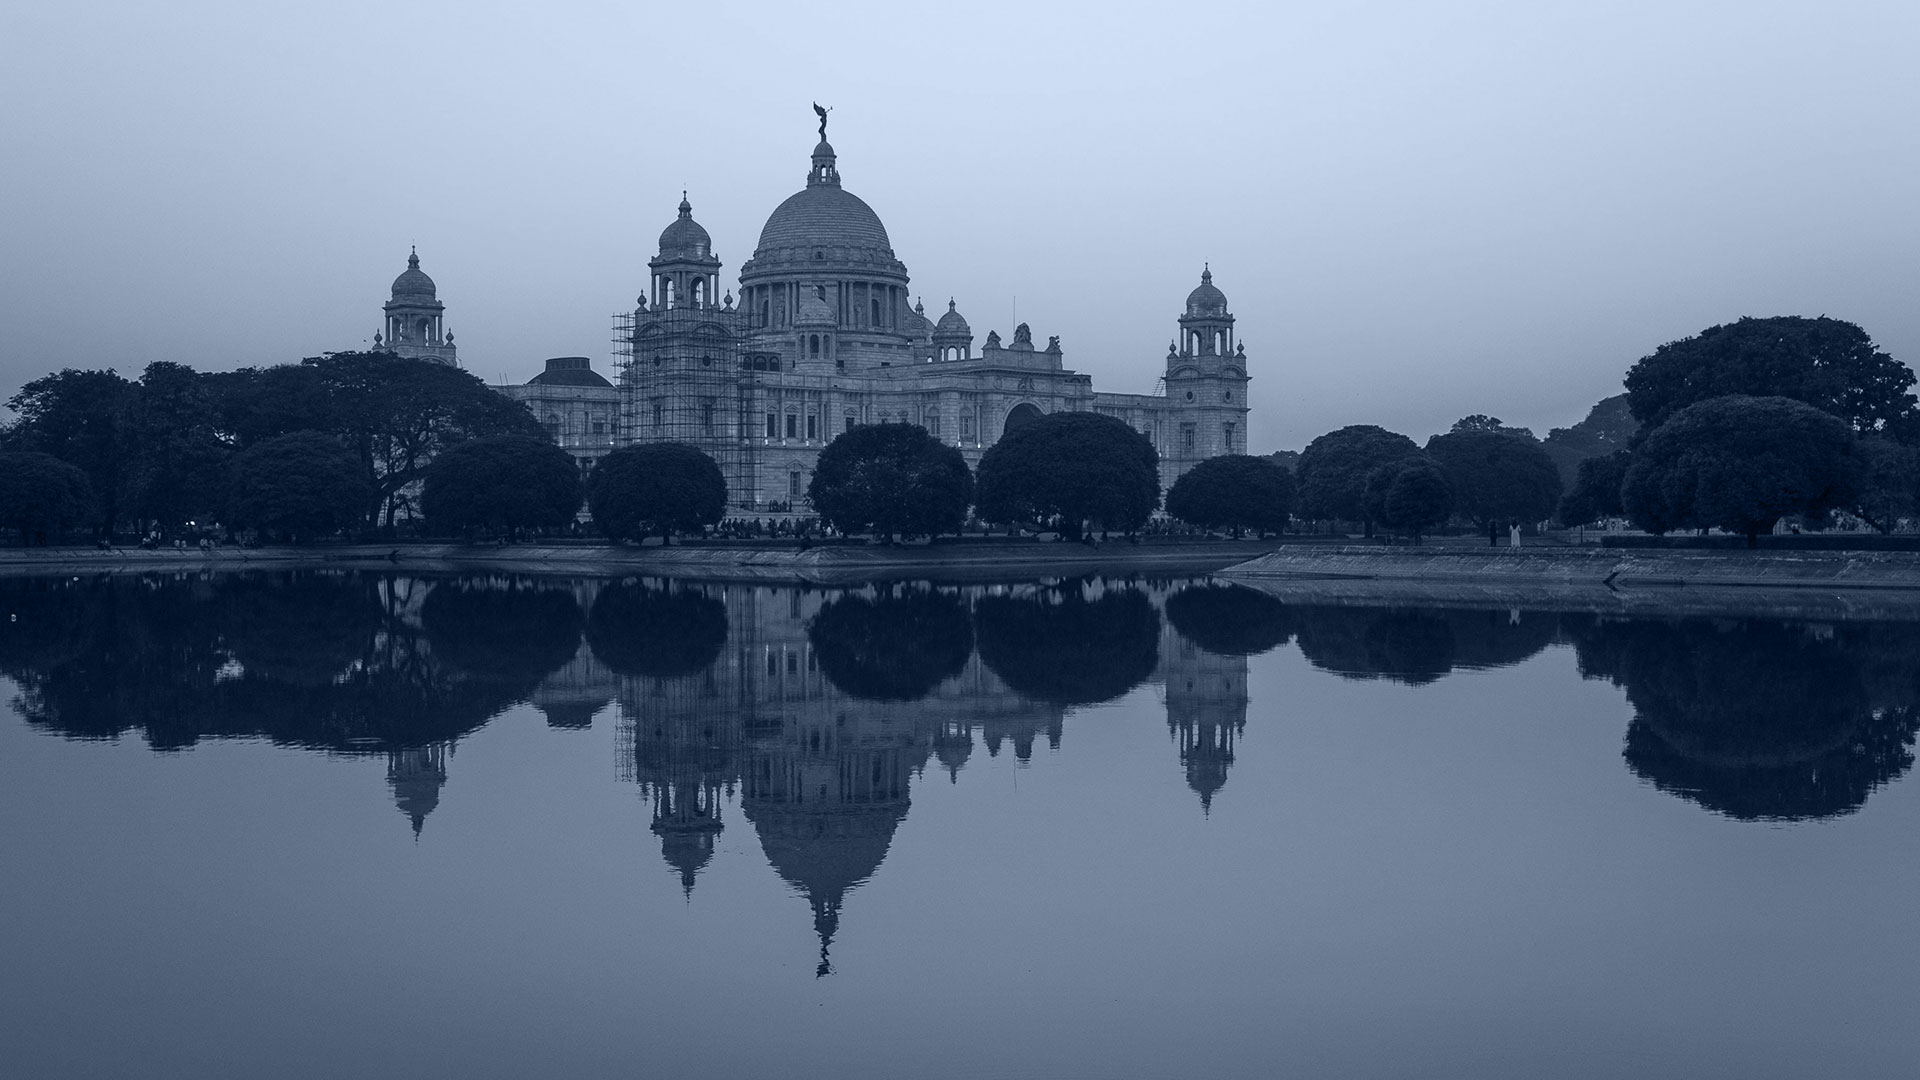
(823,119)
(1022,336)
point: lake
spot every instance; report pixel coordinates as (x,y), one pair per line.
(335,824)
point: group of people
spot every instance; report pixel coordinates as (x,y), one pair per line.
(775,528)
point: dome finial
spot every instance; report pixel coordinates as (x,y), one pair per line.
(686,208)
(413,257)
(1206,273)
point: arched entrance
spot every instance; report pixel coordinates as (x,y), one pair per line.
(1022,415)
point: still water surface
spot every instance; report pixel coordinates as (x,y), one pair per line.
(350,825)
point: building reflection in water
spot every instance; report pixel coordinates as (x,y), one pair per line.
(813,712)
(823,707)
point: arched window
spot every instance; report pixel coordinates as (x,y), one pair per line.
(813,345)
(699,292)
(876,311)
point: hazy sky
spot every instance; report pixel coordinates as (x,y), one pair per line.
(1417,211)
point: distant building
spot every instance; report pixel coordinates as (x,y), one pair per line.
(823,337)
(577,406)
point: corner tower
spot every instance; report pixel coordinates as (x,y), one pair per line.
(1206,384)
(414,324)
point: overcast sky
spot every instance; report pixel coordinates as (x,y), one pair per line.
(1417,211)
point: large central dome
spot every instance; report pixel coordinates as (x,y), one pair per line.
(823,226)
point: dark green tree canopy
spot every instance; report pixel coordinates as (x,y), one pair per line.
(891,479)
(1827,363)
(1233,491)
(257,404)
(1889,483)
(502,483)
(1496,476)
(398,414)
(637,491)
(1740,463)
(1078,466)
(1333,470)
(174,459)
(304,483)
(516,632)
(1609,426)
(76,416)
(1483,422)
(1409,496)
(42,496)
(892,647)
(1596,489)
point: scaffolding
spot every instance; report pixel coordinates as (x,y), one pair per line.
(684,378)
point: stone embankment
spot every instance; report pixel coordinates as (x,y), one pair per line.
(1813,584)
(822,565)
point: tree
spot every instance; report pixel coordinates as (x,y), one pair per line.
(1826,363)
(1233,491)
(1889,483)
(398,414)
(637,491)
(1333,471)
(41,496)
(257,404)
(1078,467)
(174,458)
(503,483)
(1497,476)
(1596,489)
(303,483)
(1609,426)
(76,417)
(1411,496)
(1739,463)
(1483,422)
(891,479)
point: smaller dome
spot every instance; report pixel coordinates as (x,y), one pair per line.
(1206,300)
(952,322)
(413,283)
(813,309)
(569,371)
(685,235)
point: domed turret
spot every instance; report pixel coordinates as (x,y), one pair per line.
(952,337)
(1206,300)
(413,284)
(685,236)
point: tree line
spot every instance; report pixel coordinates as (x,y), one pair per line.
(341,442)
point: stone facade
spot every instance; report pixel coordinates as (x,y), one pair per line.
(577,406)
(823,337)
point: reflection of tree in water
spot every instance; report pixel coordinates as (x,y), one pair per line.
(1413,647)
(1762,720)
(1061,647)
(894,646)
(1230,620)
(1418,646)
(638,629)
(507,631)
(319,660)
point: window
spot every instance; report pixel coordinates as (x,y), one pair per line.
(966,424)
(933,423)
(793,425)
(813,344)
(849,423)
(813,426)
(793,484)
(599,425)
(706,415)
(771,422)
(1186,437)
(1227,431)
(659,412)
(552,424)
